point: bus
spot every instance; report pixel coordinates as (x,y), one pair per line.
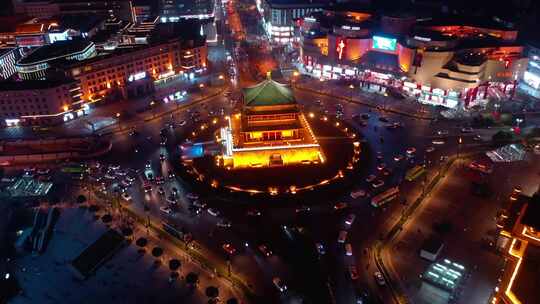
(385,197)
(414,173)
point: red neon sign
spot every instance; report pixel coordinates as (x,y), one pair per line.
(340,47)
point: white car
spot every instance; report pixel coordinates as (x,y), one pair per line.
(398,158)
(378,184)
(182,123)
(213,212)
(348,249)
(358,193)
(466,130)
(430,149)
(350,219)
(279,284)
(192,196)
(167,210)
(438,141)
(379,278)
(411,151)
(126,197)
(371,178)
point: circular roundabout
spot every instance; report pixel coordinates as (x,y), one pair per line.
(202,160)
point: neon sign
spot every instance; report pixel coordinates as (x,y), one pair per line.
(340,47)
(137,76)
(383,43)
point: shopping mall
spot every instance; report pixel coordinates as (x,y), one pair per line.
(441,61)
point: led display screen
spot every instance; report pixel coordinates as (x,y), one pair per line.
(383,43)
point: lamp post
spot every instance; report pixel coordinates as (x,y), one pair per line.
(118,121)
(460,141)
(351,86)
(152,103)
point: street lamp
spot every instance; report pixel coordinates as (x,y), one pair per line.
(351,86)
(152,103)
(460,141)
(118,120)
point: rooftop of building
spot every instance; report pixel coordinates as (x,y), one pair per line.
(531,217)
(186,29)
(81,22)
(298,3)
(464,20)
(56,50)
(525,286)
(11,85)
(268,93)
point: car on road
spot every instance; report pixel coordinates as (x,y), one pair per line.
(477,138)
(253,212)
(192,196)
(200,204)
(377,184)
(340,205)
(342,236)
(171,200)
(161,157)
(160,180)
(383,119)
(303,209)
(265,250)
(442,132)
(148,164)
(133,133)
(438,141)
(279,284)
(126,197)
(348,249)
(411,151)
(398,158)
(213,212)
(358,193)
(43,171)
(381,166)
(430,149)
(379,278)
(163,141)
(110,176)
(350,219)
(171,174)
(353,272)
(147,187)
(224,223)
(161,191)
(166,210)
(371,178)
(387,172)
(229,249)
(320,248)
(467,130)
(182,123)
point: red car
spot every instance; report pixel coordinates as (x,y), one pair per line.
(229,248)
(264,250)
(353,272)
(340,206)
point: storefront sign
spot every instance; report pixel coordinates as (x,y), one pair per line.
(384,44)
(340,47)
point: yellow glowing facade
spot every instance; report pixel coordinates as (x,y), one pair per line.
(270,131)
(522,238)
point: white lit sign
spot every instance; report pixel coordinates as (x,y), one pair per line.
(137,76)
(531,79)
(422,38)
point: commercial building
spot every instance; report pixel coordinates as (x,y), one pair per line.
(519,240)
(36,32)
(35,102)
(279,16)
(441,61)
(530,83)
(174,10)
(121,9)
(8,57)
(174,48)
(37,64)
(270,131)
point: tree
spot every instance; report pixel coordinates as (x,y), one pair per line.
(232,301)
(192,278)
(81,199)
(212,292)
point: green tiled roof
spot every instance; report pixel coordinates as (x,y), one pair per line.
(268,93)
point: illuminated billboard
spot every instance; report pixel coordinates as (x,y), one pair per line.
(384,44)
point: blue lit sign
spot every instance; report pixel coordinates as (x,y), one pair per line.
(383,43)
